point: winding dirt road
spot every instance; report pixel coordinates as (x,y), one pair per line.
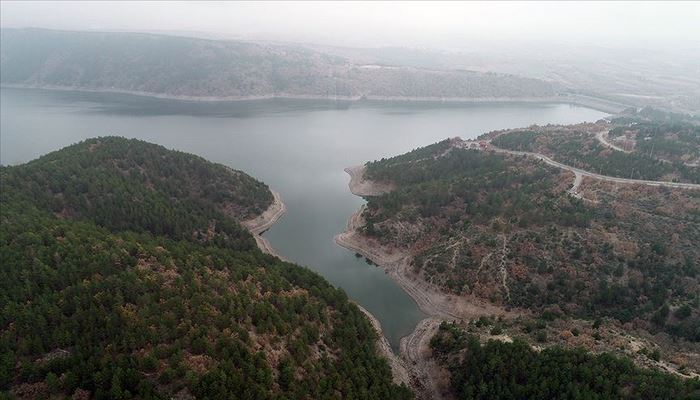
(601,136)
(426,378)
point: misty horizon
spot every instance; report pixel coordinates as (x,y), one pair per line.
(472,26)
(349,200)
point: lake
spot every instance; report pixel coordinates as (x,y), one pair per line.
(298,147)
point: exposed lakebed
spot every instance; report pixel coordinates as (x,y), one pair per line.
(298,147)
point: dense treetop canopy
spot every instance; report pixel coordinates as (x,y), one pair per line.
(506,229)
(502,370)
(127,275)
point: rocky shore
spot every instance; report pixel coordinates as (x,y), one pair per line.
(264,221)
(362,187)
(397,262)
(398,366)
(427,380)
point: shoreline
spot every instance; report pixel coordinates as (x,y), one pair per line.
(361,187)
(430,382)
(426,379)
(398,366)
(595,103)
(396,264)
(258,225)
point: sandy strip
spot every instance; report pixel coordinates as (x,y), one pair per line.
(397,265)
(583,172)
(427,379)
(398,366)
(359,186)
(264,221)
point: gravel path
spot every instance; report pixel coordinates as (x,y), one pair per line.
(601,136)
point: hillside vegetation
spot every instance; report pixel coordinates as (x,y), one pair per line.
(670,137)
(179,66)
(503,370)
(651,149)
(503,228)
(127,275)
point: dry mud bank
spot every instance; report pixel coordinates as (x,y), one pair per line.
(264,221)
(425,377)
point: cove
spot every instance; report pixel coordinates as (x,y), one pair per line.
(298,147)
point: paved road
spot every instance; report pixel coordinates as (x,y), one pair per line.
(581,172)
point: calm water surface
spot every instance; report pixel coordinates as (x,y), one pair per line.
(297,147)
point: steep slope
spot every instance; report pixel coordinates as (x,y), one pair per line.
(501,369)
(651,150)
(188,67)
(126,274)
(505,228)
(132,185)
(473,234)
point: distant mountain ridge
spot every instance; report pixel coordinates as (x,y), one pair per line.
(200,68)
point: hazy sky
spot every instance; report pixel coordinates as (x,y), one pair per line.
(413,24)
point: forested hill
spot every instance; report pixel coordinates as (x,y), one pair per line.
(133,185)
(509,230)
(461,211)
(126,275)
(650,150)
(505,370)
(179,66)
